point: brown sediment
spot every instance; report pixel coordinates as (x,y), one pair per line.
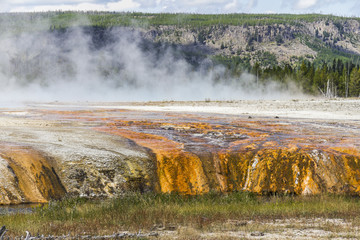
(34,176)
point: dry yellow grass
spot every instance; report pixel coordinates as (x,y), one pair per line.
(189,217)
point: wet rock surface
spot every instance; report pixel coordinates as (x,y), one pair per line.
(75,159)
(50,151)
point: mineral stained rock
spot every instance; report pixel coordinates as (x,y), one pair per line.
(47,153)
(264,156)
(27,174)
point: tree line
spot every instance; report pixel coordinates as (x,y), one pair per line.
(338,78)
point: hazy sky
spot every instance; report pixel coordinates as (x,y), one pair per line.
(336,7)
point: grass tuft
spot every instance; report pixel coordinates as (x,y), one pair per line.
(135,211)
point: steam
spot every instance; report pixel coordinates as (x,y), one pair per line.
(69,65)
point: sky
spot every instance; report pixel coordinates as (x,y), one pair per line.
(341,8)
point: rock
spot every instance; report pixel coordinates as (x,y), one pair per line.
(39,168)
(128,152)
(266,161)
(257,234)
(29,176)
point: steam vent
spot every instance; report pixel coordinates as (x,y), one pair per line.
(47,152)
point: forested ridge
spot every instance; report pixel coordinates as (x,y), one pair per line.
(334,79)
(319,53)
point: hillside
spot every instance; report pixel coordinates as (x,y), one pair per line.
(286,37)
(319,52)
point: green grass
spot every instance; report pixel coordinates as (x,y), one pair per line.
(135,212)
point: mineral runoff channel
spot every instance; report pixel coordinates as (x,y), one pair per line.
(52,150)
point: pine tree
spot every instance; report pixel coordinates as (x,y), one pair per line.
(354,83)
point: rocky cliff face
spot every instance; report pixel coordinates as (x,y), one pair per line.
(286,42)
(104,153)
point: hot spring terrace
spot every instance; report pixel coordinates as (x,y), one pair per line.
(101,150)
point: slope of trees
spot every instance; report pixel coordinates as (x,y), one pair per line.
(63,19)
(335,79)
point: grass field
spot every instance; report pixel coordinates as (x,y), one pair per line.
(143,212)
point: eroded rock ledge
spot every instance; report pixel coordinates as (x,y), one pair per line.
(46,154)
(27,175)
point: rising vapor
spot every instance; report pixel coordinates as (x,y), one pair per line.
(89,64)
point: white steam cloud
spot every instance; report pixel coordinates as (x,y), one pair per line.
(69,66)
